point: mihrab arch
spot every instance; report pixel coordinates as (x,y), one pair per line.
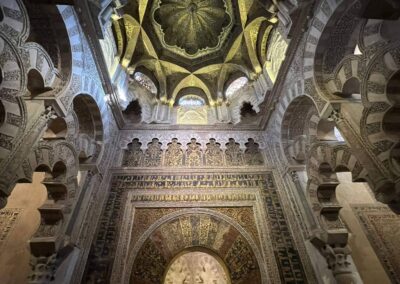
(195,230)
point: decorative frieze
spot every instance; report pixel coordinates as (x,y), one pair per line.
(194,156)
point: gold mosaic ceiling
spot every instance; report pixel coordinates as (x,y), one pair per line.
(194,44)
(192,28)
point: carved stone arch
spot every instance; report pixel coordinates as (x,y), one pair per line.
(233,153)
(72,125)
(13,72)
(294,91)
(325,160)
(61,185)
(71,24)
(321,190)
(371,37)
(347,78)
(36,84)
(297,134)
(333,34)
(46,154)
(381,104)
(15,14)
(148,241)
(12,87)
(213,155)
(49,30)
(89,134)
(153,154)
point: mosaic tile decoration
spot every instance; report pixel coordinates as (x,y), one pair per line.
(101,257)
(382,228)
(286,255)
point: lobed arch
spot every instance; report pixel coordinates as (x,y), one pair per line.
(45,156)
(347,78)
(337,156)
(326,159)
(48,29)
(17,14)
(381,105)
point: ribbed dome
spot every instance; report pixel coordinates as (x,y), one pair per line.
(193,25)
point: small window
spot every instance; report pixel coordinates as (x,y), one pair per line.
(191,101)
(338,135)
(357,50)
(146,82)
(235,86)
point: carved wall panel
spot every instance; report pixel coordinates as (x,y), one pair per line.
(213,154)
(133,155)
(233,154)
(252,154)
(174,155)
(8,217)
(193,154)
(381,226)
(163,195)
(153,154)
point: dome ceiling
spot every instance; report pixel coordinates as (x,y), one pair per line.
(186,44)
(192,28)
